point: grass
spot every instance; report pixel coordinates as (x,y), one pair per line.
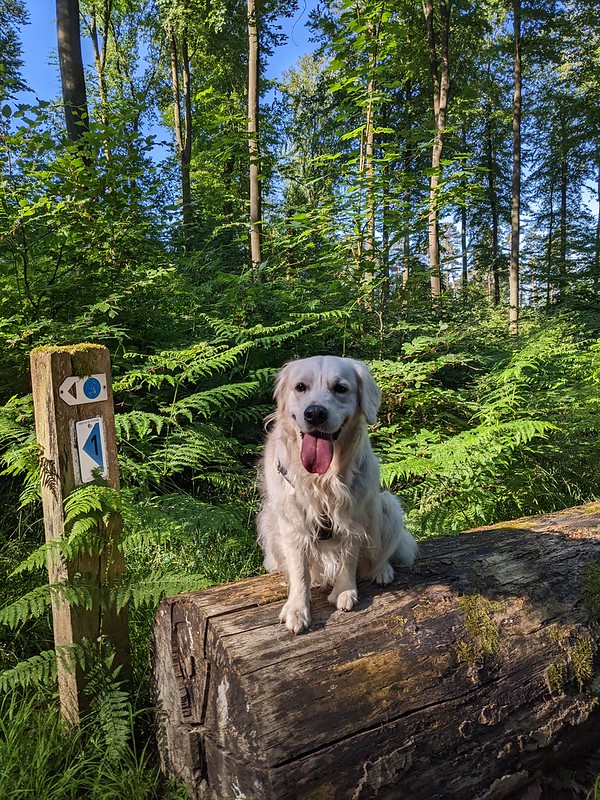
(44,759)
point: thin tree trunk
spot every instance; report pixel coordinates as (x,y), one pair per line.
(463,245)
(439,66)
(253,145)
(549,270)
(563,203)
(71,68)
(515,210)
(186,153)
(407,164)
(100,55)
(596,277)
(493,201)
(100,63)
(370,201)
(183,127)
(463,227)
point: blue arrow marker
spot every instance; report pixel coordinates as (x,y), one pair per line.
(93,446)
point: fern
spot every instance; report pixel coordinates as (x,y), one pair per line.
(110,707)
(77,592)
(205,403)
(39,669)
(19,455)
(149,591)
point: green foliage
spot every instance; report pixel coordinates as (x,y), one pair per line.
(41,757)
(519,438)
(474,427)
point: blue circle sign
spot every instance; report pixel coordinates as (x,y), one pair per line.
(92,388)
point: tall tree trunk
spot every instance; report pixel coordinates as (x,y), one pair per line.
(183,126)
(100,52)
(596,276)
(367,167)
(71,68)
(440,72)
(463,247)
(515,208)
(493,201)
(564,183)
(385,236)
(550,248)
(406,166)
(463,227)
(253,145)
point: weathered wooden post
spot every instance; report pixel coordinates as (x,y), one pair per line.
(74,422)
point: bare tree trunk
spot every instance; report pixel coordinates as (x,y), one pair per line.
(463,246)
(440,71)
(596,276)
(515,209)
(186,154)
(369,166)
(71,68)
(564,183)
(463,228)
(550,248)
(385,238)
(407,163)
(183,127)
(253,146)
(493,201)
(100,62)
(369,173)
(100,55)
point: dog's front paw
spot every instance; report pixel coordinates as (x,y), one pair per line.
(345,601)
(296,618)
(385,576)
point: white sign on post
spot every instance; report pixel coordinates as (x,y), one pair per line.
(91,389)
(91,449)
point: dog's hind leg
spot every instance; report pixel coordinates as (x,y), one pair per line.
(398,545)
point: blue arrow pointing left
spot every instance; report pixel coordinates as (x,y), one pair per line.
(93,446)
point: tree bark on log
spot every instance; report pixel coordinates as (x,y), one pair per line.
(472,676)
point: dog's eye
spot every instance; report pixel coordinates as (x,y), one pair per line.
(339,388)
(300,387)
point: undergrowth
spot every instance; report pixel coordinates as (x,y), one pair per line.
(475,427)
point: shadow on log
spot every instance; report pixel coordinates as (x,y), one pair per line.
(472,676)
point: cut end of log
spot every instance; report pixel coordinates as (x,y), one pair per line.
(474,675)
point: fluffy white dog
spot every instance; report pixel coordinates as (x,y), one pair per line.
(324,520)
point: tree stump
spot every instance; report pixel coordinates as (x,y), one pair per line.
(472,676)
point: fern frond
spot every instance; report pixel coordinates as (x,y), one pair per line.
(149,591)
(37,670)
(139,423)
(79,592)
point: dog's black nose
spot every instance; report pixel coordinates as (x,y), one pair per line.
(315,415)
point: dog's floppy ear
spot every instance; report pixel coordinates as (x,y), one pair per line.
(369,394)
(281,382)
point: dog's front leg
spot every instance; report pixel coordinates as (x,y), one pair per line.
(296,612)
(344,594)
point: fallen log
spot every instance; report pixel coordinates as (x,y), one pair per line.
(473,675)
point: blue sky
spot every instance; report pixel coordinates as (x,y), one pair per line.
(41,65)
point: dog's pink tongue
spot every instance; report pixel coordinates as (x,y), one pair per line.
(317,452)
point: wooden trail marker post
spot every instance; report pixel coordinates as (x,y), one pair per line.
(74,423)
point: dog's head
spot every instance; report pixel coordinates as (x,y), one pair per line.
(321,395)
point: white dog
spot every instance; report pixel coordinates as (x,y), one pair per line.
(324,520)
